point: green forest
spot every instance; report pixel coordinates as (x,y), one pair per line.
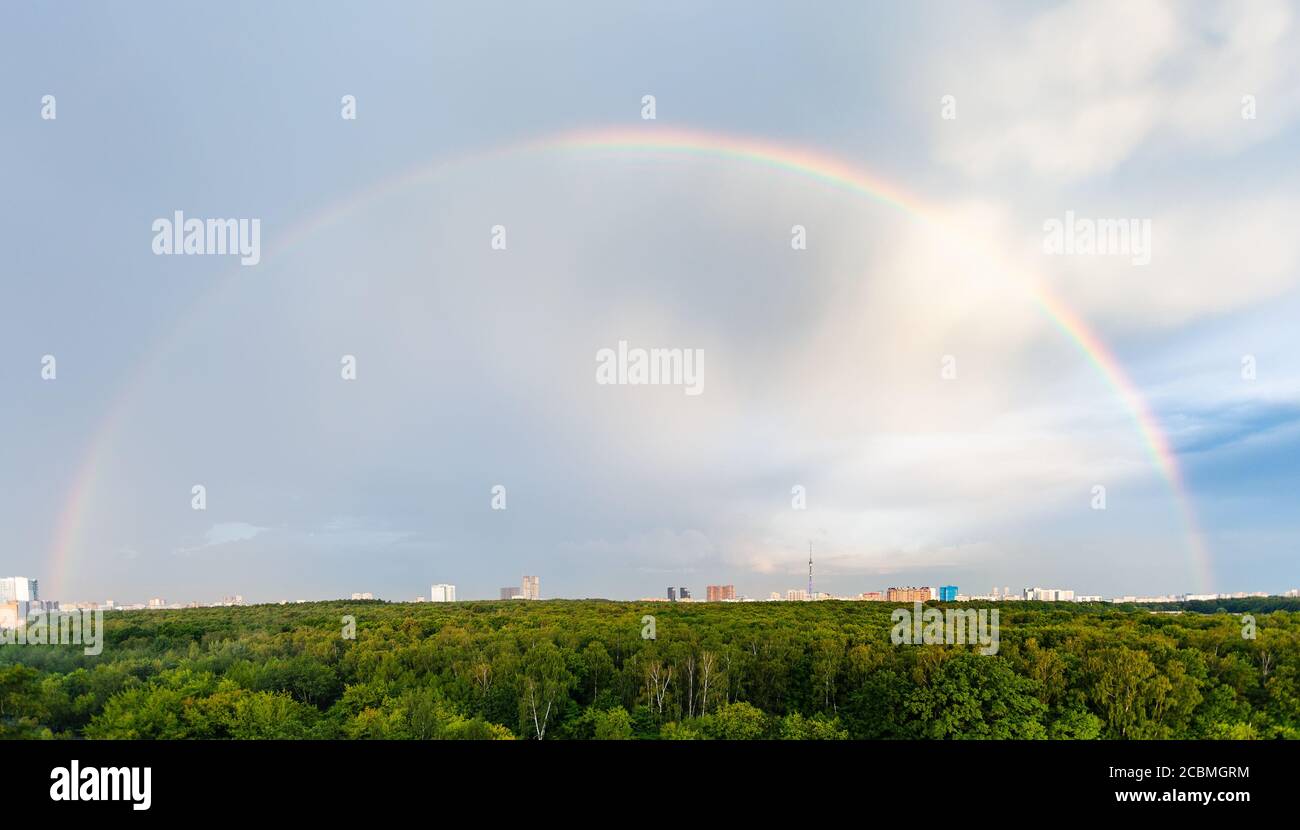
(581,670)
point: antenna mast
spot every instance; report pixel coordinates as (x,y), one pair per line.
(810,590)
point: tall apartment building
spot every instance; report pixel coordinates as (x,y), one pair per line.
(11,613)
(908,594)
(683,593)
(19,589)
(672,594)
(720,593)
(947,593)
(442,592)
(532,587)
(796,595)
(511,593)
(1049,594)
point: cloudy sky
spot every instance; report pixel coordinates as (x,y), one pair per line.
(824,368)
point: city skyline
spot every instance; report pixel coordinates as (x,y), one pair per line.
(446,592)
(845,588)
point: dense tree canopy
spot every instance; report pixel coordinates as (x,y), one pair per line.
(731,671)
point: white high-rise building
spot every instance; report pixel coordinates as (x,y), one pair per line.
(19,589)
(532,587)
(1049,594)
(442,592)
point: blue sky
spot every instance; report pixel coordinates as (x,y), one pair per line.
(475,367)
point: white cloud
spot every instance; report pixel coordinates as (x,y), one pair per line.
(224,533)
(1209,258)
(661,550)
(1078,89)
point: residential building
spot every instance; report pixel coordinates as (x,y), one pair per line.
(511,593)
(720,593)
(11,613)
(532,587)
(1049,595)
(908,594)
(947,593)
(19,589)
(442,592)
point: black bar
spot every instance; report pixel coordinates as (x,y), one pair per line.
(945,780)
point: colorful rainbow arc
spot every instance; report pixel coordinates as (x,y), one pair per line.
(658,141)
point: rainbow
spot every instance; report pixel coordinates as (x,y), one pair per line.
(658,142)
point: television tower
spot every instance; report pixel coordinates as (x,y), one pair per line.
(810,590)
